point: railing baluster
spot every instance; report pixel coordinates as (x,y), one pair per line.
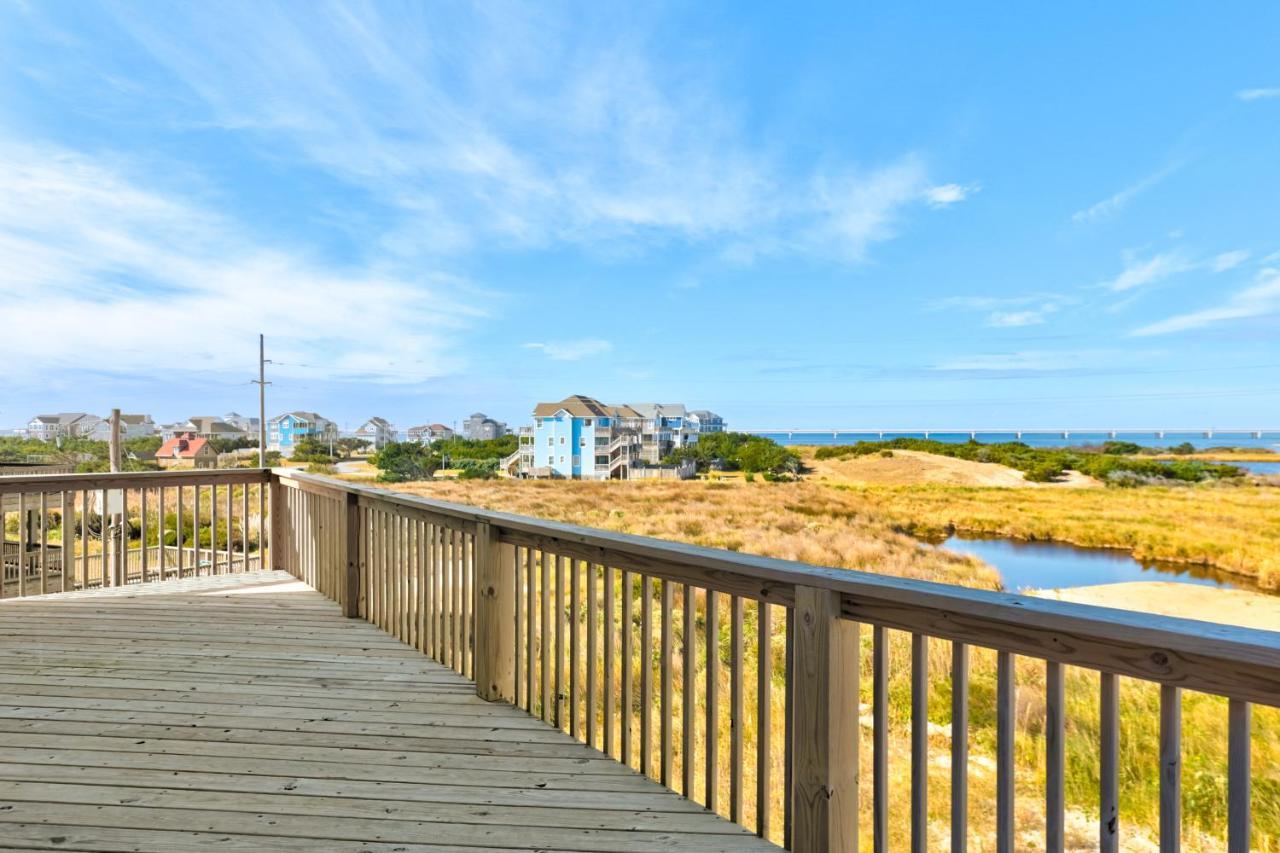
(592,646)
(143,528)
(22,543)
(919,743)
(560,702)
(459,662)
(545,636)
(628,667)
(84,536)
(575,645)
(1055,731)
(610,747)
(687,726)
(44,542)
(213,532)
(518,643)
(764,716)
(666,723)
(66,548)
(1108,777)
(227,565)
(1170,768)
(712,770)
(244,528)
(1006,716)
(737,709)
(646,677)
(531,620)
(880,738)
(195,524)
(959,747)
(1239,775)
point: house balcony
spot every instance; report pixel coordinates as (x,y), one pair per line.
(269,660)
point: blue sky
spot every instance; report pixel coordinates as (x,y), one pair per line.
(852,215)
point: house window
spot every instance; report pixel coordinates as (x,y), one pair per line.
(561,460)
(562,439)
(587,422)
(550,441)
(582,441)
(551,460)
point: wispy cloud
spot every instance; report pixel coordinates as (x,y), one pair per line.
(1030,360)
(1007,312)
(571,350)
(1140,272)
(1014,319)
(945,195)
(1260,299)
(104,259)
(1113,204)
(520,132)
(1257,94)
(1229,260)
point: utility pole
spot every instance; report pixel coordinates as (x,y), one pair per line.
(262,384)
(115,441)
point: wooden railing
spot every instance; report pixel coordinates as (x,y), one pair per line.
(607,636)
(732,679)
(80,531)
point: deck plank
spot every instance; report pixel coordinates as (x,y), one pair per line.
(243,712)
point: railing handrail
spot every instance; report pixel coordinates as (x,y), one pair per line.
(1227,660)
(133,479)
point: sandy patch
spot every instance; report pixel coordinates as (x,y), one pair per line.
(914,468)
(1188,601)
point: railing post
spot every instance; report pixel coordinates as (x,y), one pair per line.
(824,808)
(351,578)
(495,616)
(276,511)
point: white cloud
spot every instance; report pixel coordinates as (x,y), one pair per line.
(138,282)
(1030,360)
(945,195)
(1013,319)
(1259,299)
(510,129)
(1257,94)
(1112,205)
(571,350)
(1140,272)
(1229,260)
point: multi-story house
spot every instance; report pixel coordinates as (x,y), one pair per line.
(242,422)
(480,427)
(705,421)
(285,431)
(377,431)
(61,425)
(427,433)
(582,438)
(206,426)
(131,426)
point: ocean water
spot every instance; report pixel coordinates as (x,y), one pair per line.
(1269,440)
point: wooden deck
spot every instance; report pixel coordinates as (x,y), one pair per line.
(243,712)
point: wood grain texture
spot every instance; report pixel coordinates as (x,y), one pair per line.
(825,743)
(299,730)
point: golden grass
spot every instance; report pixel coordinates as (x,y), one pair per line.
(867,528)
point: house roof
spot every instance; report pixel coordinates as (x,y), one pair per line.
(135,419)
(182,446)
(650,410)
(63,417)
(440,428)
(309,416)
(703,414)
(582,406)
(377,422)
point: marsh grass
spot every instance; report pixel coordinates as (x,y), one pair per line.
(867,529)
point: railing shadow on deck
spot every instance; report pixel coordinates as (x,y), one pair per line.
(730,678)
